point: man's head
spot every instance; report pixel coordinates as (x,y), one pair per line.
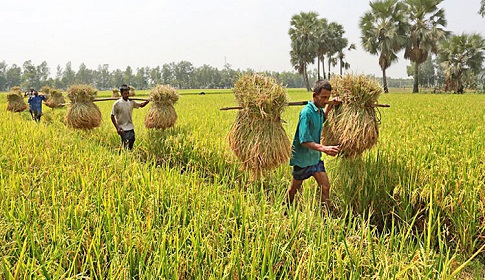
(31,89)
(125,91)
(321,93)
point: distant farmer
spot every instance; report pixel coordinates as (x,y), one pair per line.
(307,150)
(30,92)
(121,116)
(35,105)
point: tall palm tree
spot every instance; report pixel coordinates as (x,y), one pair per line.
(460,56)
(426,30)
(341,55)
(303,42)
(334,35)
(383,32)
(323,44)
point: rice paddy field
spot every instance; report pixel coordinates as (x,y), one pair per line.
(75,205)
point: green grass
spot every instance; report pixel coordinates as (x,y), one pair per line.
(73,204)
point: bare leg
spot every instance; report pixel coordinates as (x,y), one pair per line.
(322,180)
(292,190)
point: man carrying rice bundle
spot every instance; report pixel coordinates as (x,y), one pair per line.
(307,150)
(121,116)
(35,104)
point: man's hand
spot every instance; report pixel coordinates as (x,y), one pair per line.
(331,150)
(120,131)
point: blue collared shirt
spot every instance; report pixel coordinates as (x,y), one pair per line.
(309,129)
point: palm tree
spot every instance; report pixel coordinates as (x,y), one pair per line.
(323,44)
(461,56)
(383,32)
(426,30)
(482,8)
(303,42)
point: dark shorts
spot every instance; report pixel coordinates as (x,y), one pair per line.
(128,138)
(302,173)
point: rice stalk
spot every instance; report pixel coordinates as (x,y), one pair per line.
(353,124)
(162,113)
(83,113)
(257,136)
(55,99)
(15,100)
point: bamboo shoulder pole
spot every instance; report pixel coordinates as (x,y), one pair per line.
(116,98)
(299,103)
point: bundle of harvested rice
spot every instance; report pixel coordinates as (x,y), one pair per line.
(132,91)
(46,90)
(353,124)
(257,136)
(83,113)
(162,114)
(116,93)
(15,100)
(54,99)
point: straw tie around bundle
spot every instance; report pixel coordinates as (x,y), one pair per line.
(162,113)
(83,113)
(257,136)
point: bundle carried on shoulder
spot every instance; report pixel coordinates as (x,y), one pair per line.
(354,124)
(257,136)
(83,113)
(15,100)
(54,98)
(116,93)
(132,92)
(162,113)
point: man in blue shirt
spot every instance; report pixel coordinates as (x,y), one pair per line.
(307,150)
(35,104)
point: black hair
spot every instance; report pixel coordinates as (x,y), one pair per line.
(124,88)
(321,84)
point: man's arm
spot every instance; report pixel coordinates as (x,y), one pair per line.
(144,103)
(118,129)
(329,150)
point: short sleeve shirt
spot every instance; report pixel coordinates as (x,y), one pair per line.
(309,129)
(123,111)
(35,102)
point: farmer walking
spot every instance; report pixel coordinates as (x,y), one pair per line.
(35,105)
(121,116)
(307,150)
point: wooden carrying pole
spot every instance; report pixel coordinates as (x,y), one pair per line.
(116,98)
(299,103)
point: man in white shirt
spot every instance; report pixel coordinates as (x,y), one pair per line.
(121,117)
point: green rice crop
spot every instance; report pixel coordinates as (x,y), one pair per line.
(74,204)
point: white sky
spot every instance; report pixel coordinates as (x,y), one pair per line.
(245,33)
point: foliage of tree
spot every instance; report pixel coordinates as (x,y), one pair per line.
(426,30)
(482,8)
(461,57)
(383,30)
(303,42)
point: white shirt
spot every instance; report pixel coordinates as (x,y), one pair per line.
(122,110)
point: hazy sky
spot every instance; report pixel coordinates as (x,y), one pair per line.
(245,33)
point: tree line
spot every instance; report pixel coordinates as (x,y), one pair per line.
(181,75)
(416,27)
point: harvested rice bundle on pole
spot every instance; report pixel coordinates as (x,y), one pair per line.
(353,124)
(46,90)
(15,100)
(54,99)
(116,93)
(257,136)
(132,91)
(162,114)
(83,113)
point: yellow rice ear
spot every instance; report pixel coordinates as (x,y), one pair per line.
(15,100)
